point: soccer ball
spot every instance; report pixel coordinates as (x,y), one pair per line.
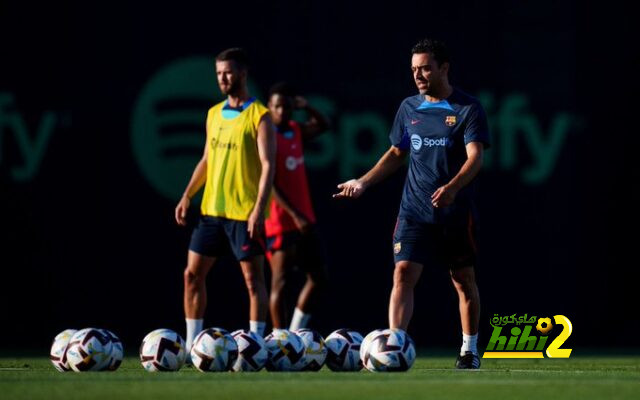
(344,350)
(162,350)
(89,350)
(315,350)
(391,350)
(117,351)
(285,350)
(252,351)
(214,350)
(364,347)
(58,353)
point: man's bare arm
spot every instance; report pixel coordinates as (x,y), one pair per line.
(301,221)
(445,195)
(317,122)
(196,182)
(267,153)
(388,164)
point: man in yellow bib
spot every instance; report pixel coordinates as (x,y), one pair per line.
(237,170)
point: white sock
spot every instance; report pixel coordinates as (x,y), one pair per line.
(469,343)
(299,320)
(257,327)
(194,326)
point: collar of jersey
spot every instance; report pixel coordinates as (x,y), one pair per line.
(438,104)
(230,113)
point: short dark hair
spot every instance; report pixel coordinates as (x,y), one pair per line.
(282,88)
(235,54)
(435,47)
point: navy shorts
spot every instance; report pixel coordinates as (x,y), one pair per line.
(217,236)
(451,246)
(308,254)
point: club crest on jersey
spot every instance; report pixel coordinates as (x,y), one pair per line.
(397,247)
(450,120)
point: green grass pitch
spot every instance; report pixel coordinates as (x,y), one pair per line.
(432,377)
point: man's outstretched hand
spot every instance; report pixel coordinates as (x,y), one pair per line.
(353,189)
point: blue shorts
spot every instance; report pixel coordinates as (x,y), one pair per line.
(217,236)
(451,246)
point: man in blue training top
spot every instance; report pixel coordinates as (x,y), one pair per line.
(445,131)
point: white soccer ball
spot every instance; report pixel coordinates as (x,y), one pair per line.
(286,350)
(214,350)
(315,350)
(58,353)
(162,350)
(391,350)
(89,350)
(117,351)
(364,347)
(252,351)
(344,350)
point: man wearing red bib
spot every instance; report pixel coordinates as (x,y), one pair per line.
(291,235)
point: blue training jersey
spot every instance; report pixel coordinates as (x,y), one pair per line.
(436,134)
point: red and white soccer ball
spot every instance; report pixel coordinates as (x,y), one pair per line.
(117,351)
(286,350)
(315,350)
(214,350)
(58,353)
(389,351)
(89,350)
(364,347)
(252,351)
(162,350)
(344,350)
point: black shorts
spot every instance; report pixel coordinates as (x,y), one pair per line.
(217,236)
(309,252)
(451,246)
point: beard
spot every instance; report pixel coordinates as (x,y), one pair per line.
(232,89)
(425,88)
(430,88)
